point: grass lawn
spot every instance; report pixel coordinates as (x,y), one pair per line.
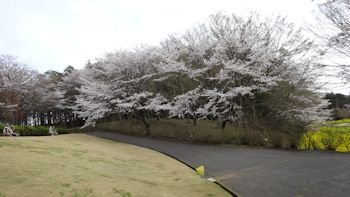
(81,165)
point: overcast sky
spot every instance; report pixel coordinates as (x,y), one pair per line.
(51,34)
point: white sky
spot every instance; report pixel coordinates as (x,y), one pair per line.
(51,34)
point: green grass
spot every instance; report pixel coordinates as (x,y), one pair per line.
(80,165)
(347,120)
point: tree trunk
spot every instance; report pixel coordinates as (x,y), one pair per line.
(49,122)
(218,124)
(42,119)
(194,118)
(54,118)
(254,110)
(145,123)
(223,124)
(60,119)
(25,119)
(34,119)
(37,118)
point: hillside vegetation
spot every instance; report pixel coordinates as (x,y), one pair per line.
(205,131)
(331,136)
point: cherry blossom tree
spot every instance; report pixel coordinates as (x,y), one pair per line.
(233,60)
(68,89)
(95,94)
(333,33)
(119,83)
(186,105)
(16,83)
(242,70)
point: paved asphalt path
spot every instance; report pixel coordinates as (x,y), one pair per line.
(259,172)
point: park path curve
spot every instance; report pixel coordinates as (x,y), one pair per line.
(257,172)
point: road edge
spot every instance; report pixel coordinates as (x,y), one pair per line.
(234,194)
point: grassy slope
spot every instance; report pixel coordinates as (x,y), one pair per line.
(82,165)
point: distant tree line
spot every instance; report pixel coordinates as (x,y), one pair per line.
(30,98)
(339,104)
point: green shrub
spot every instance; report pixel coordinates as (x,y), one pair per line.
(345,142)
(334,136)
(249,137)
(330,140)
(132,127)
(282,139)
(31,131)
(205,131)
(61,130)
(308,141)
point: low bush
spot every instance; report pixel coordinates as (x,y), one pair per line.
(330,140)
(345,142)
(205,131)
(308,141)
(333,136)
(341,113)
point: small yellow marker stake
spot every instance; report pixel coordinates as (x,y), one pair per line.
(201,171)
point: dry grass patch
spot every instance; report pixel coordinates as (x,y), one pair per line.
(81,165)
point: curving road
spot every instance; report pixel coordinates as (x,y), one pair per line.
(259,172)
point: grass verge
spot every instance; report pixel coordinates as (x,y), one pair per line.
(82,165)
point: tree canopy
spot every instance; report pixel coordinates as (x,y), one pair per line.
(247,71)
